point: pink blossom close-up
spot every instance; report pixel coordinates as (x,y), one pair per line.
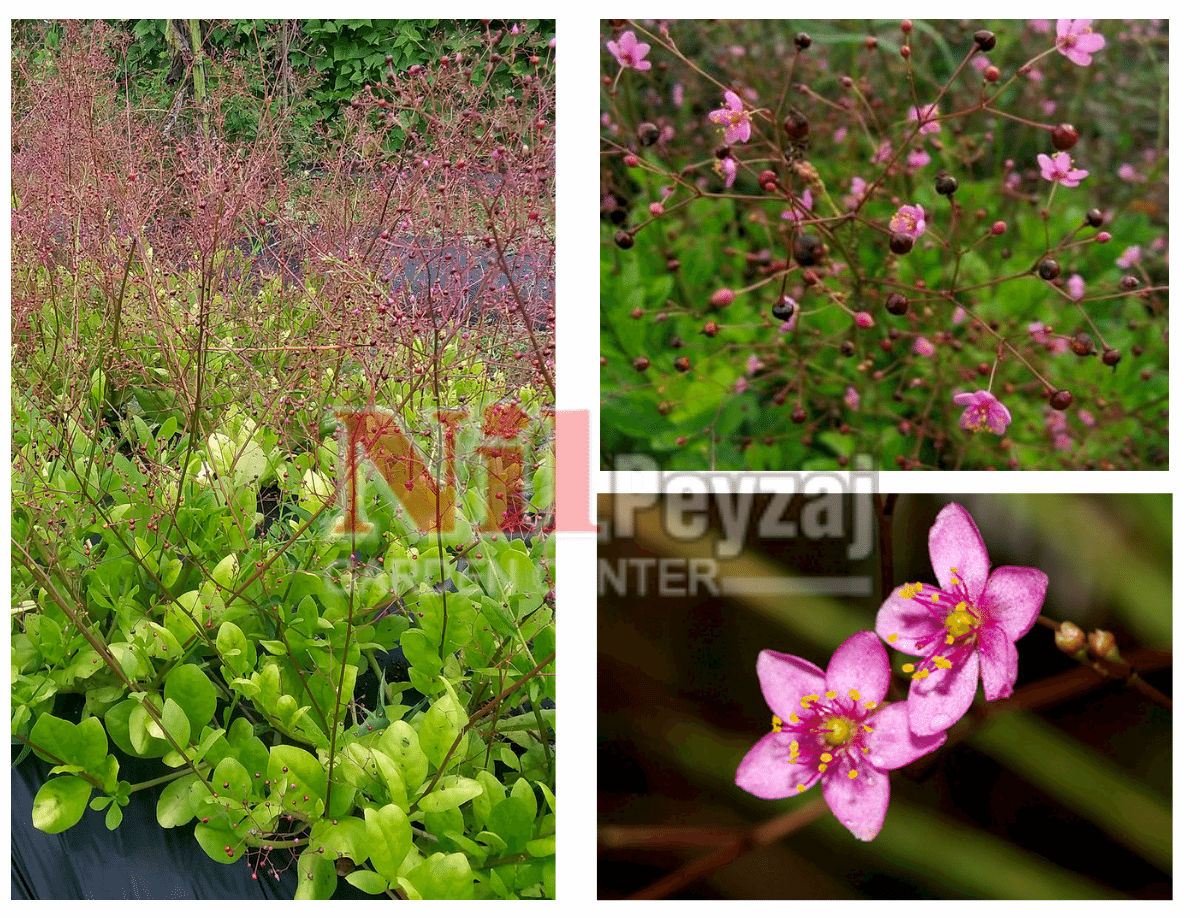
(864,320)
(923,347)
(909,219)
(852,398)
(1130,257)
(630,52)
(729,170)
(1077,41)
(833,728)
(1059,168)
(734,118)
(964,630)
(1076,287)
(926,115)
(806,202)
(753,365)
(918,158)
(983,411)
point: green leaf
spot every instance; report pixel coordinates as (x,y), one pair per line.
(440,728)
(541,847)
(451,793)
(113,817)
(295,775)
(173,720)
(60,803)
(390,837)
(368,881)
(318,876)
(348,837)
(443,876)
(215,839)
(190,688)
(511,820)
(174,806)
(401,743)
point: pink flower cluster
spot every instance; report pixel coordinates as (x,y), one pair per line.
(834,727)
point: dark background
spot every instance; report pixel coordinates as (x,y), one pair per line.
(1054,801)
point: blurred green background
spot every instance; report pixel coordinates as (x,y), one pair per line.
(1067,797)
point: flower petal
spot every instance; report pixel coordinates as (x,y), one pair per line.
(1013,598)
(911,622)
(766,772)
(936,702)
(892,742)
(860,663)
(955,542)
(859,803)
(785,680)
(997,663)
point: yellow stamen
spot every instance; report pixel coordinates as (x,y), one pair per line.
(821,768)
(854,696)
(871,705)
(921,675)
(941,663)
(826,757)
(801,788)
(908,667)
(794,717)
(892,638)
(853,773)
(831,695)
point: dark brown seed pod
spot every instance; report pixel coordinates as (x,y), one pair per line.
(896,304)
(783,309)
(795,125)
(1061,400)
(809,250)
(1064,137)
(1095,218)
(1111,357)
(1048,269)
(648,133)
(985,40)
(623,240)
(683,364)
(945,184)
(641,364)
(901,243)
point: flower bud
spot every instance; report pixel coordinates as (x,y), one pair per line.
(991,73)
(767,179)
(683,364)
(1111,357)
(809,250)
(985,40)
(1102,644)
(641,364)
(710,329)
(999,228)
(648,133)
(896,304)
(722,297)
(795,125)
(623,240)
(1070,638)
(1082,345)
(1129,282)
(1061,400)
(1064,137)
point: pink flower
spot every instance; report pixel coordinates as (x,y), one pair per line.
(1075,287)
(858,187)
(1059,168)
(1077,41)
(983,410)
(1040,26)
(909,219)
(883,154)
(630,52)
(734,118)
(1126,173)
(753,365)
(923,346)
(829,727)
(925,115)
(966,629)
(851,398)
(864,320)
(918,158)
(729,169)
(1130,257)
(806,202)
(741,385)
